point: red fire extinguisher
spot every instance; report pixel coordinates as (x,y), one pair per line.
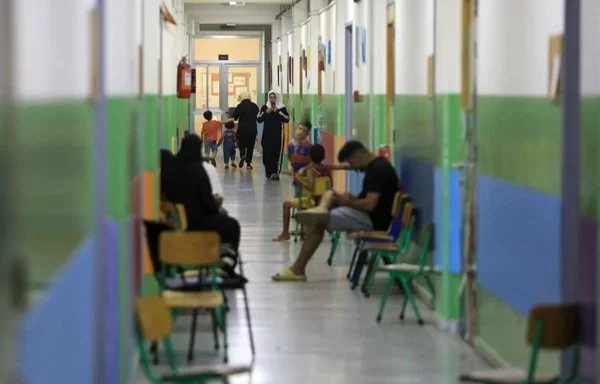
(384,151)
(184,79)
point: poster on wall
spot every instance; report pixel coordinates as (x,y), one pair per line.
(357,47)
(363,44)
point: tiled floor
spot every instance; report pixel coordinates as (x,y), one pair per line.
(319,331)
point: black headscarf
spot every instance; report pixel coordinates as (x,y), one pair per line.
(190,182)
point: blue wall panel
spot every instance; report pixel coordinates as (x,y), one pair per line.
(417,178)
(57,336)
(518,247)
(455,221)
(111,305)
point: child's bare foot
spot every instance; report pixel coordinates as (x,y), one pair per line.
(282,237)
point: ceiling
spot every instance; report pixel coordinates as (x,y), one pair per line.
(253,12)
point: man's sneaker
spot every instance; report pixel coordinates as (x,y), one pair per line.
(274,177)
(226,166)
(233,164)
(241,164)
(249,166)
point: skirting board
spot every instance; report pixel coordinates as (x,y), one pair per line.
(489,354)
(451,326)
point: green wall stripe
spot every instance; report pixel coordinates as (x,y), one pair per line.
(503,331)
(414,128)
(519,141)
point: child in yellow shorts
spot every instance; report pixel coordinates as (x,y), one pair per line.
(305,178)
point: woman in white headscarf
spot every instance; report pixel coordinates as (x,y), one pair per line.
(273,115)
(245,113)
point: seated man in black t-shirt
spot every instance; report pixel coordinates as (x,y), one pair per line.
(343,212)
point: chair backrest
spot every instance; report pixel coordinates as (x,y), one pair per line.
(181,217)
(407,213)
(322,185)
(153,232)
(397,204)
(553,326)
(190,248)
(154,318)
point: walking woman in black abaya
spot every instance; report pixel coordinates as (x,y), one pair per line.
(273,115)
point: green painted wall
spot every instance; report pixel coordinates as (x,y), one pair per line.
(54,149)
(414,128)
(590,125)
(519,141)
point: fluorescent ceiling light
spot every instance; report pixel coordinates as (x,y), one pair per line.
(237,3)
(231,25)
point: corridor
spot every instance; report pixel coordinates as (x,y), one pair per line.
(319,331)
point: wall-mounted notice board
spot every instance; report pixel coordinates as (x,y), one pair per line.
(555,67)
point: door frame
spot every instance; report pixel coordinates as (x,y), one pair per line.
(348,87)
(224,67)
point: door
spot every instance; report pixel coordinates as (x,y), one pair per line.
(218,87)
(391,79)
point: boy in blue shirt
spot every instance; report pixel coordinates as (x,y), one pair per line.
(229,145)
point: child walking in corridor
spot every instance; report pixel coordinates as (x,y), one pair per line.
(211,133)
(229,145)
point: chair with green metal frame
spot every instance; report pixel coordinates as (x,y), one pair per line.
(552,327)
(403,239)
(322,185)
(201,250)
(406,273)
(154,325)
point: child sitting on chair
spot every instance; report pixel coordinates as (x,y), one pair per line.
(305,177)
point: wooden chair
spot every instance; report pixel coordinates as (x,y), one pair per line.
(392,234)
(552,327)
(194,280)
(322,185)
(405,273)
(198,250)
(401,242)
(154,325)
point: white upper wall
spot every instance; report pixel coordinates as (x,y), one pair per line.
(513,39)
(448,45)
(590,47)
(119,47)
(151,48)
(51,55)
(414,44)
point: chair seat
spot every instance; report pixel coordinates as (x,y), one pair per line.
(202,283)
(206,371)
(505,376)
(403,267)
(384,247)
(193,300)
(366,235)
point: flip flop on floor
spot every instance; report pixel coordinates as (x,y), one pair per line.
(288,275)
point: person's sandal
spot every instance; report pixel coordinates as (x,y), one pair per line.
(287,275)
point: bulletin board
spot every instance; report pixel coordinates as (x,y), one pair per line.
(236,83)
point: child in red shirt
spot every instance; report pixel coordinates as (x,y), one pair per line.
(211,133)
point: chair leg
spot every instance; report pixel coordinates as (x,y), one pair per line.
(384,297)
(354,255)
(370,276)
(409,297)
(215,329)
(404,303)
(250,333)
(190,356)
(225,338)
(154,352)
(360,263)
(334,243)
